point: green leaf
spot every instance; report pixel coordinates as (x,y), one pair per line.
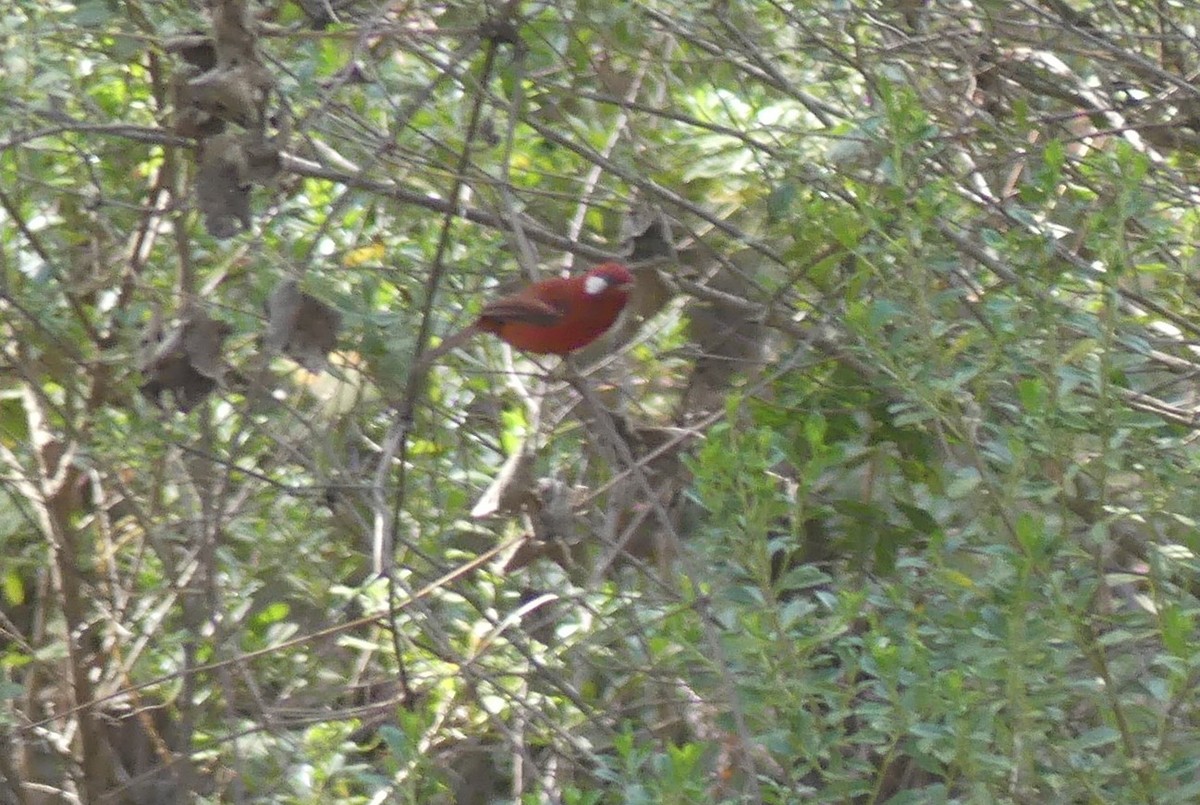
(1094,738)
(1033,395)
(513,428)
(13,587)
(1030,533)
(1054,155)
(964,483)
(93,13)
(780,199)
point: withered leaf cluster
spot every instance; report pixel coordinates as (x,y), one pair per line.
(184,361)
(223,84)
(187,362)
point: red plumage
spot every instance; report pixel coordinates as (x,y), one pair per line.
(556,316)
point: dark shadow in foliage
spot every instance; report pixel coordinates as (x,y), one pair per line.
(729,343)
(146,741)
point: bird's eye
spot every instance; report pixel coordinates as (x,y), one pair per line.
(595,284)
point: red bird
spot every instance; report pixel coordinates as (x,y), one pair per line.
(553,317)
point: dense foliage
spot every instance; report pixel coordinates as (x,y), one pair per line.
(882,493)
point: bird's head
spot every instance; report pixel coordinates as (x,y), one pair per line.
(607,277)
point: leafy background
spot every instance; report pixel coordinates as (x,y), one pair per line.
(882,494)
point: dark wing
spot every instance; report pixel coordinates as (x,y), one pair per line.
(525,309)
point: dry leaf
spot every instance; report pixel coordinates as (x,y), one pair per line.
(263,162)
(511,489)
(235,39)
(236,94)
(222,187)
(639,530)
(202,341)
(728,343)
(185,362)
(649,234)
(651,292)
(196,49)
(150,339)
(190,118)
(555,537)
(301,326)
(319,12)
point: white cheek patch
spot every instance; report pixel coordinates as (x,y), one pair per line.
(594,285)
